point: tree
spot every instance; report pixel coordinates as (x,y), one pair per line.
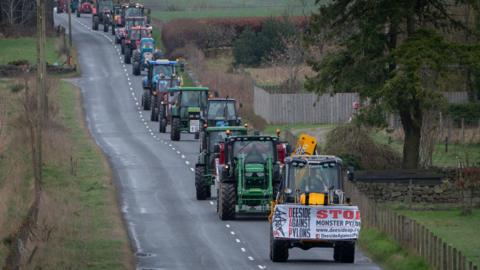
(391,53)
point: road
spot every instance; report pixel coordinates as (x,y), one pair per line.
(168,227)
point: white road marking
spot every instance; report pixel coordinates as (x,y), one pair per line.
(211,202)
(143,210)
(183,156)
(178,152)
(237,240)
(261,266)
(227,225)
(250,258)
(243,249)
(232,232)
(192,169)
(187,162)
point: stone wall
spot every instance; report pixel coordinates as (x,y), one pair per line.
(444,192)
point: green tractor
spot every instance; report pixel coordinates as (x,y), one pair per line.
(205,167)
(186,105)
(222,112)
(248,174)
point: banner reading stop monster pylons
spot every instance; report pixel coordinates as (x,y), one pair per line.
(316,222)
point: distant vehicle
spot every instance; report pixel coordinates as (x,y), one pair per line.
(84,7)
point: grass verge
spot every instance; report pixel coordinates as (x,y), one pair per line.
(388,253)
(93,233)
(458,230)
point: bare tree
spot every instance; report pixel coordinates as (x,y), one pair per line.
(17,12)
(292,58)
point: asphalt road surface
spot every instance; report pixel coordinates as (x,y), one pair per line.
(168,227)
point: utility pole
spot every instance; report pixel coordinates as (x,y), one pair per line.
(69,8)
(40,95)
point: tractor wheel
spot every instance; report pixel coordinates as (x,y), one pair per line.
(278,249)
(113,29)
(163,119)
(202,190)
(197,135)
(122,41)
(154,114)
(136,68)
(146,100)
(227,200)
(344,252)
(95,23)
(162,125)
(128,55)
(105,27)
(175,132)
(78,14)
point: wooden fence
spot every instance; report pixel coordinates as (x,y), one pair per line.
(303,108)
(312,109)
(410,234)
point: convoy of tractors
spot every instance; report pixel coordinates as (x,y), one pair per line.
(247,173)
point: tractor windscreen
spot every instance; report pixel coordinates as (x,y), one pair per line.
(254,151)
(219,136)
(148,45)
(133,12)
(221,110)
(194,99)
(313,177)
(166,70)
(105,5)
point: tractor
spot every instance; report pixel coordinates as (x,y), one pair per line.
(143,54)
(134,10)
(121,32)
(102,14)
(132,41)
(222,112)
(162,75)
(205,167)
(117,17)
(61,6)
(248,174)
(85,7)
(186,107)
(311,210)
(73,6)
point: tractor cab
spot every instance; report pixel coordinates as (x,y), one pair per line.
(145,53)
(205,167)
(134,10)
(311,185)
(160,69)
(188,107)
(248,171)
(222,112)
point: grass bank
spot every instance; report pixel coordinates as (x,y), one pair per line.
(78,209)
(388,253)
(458,230)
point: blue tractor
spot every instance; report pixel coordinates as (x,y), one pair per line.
(143,54)
(162,74)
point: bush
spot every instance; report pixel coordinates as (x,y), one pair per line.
(359,150)
(470,112)
(251,49)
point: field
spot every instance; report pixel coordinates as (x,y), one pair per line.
(460,231)
(170,9)
(25,49)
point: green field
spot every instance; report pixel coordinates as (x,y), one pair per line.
(169,10)
(25,49)
(459,231)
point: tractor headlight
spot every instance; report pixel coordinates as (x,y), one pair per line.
(249,174)
(260,174)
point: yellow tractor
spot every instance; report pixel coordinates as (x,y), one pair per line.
(310,209)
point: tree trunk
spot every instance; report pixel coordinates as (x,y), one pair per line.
(412,126)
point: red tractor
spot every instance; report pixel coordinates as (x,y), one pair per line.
(132,40)
(61,6)
(85,7)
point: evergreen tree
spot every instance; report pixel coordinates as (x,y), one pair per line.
(392,53)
